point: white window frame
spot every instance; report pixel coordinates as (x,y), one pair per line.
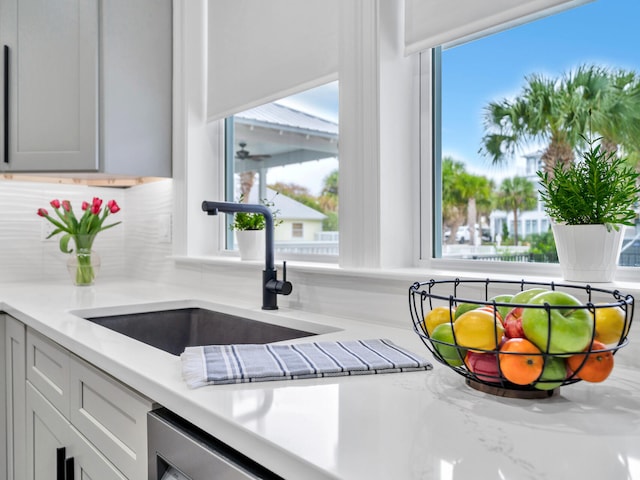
(197,237)
(429,201)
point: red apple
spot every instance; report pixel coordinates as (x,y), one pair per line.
(484,365)
(513,323)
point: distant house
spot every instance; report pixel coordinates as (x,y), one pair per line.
(299,222)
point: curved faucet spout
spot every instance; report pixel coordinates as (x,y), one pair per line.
(271,286)
(212,208)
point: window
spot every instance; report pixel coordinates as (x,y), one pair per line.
(472,81)
(297,230)
(285,153)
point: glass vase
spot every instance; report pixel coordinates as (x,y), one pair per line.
(83,266)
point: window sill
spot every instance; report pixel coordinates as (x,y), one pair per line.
(626,281)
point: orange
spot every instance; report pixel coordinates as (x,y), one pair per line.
(437,316)
(521,362)
(596,367)
(478,329)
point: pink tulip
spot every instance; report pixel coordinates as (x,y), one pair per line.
(90,223)
(113,206)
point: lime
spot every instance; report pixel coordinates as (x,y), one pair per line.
(452,354)
(553,374)
(465,307)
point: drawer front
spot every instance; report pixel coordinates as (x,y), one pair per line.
(48,370)
(111,416)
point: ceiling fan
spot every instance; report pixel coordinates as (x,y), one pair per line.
(243,154)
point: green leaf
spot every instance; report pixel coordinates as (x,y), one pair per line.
(64,243)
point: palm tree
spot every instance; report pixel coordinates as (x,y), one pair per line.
(328,199)
(477,189)
(560,112)
(452,202)
(541,112)
(517,194)
(463,195)
(607,103)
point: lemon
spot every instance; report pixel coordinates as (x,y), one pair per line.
(609,323)
(436,317)
(478,329)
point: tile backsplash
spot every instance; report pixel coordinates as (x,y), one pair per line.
(132,248)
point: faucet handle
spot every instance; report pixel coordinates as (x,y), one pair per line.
(280,287)
(285,287)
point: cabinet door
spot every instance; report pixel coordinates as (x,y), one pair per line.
(53,84)
(136,81)
(48,430)
(15,397)
(4,414)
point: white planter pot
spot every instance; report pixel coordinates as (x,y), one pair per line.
(588,253)
(251,244)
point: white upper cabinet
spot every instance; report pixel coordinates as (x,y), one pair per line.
(86,86)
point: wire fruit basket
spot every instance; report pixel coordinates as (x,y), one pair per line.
(522,344)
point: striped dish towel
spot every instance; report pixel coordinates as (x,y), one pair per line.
(223,364)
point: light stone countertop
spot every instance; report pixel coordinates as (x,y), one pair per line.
(419,425)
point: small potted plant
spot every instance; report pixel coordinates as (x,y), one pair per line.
(589,203)
(249,228)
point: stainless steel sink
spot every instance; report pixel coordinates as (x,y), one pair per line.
(173,330)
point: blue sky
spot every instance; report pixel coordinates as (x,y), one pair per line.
(603,32)
(321,101)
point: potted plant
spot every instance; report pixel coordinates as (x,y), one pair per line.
(249,228)
(590,202)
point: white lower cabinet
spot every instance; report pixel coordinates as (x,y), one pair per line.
(57,400)
(14,382)
(47,432)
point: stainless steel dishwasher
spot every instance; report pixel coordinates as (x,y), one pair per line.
(179,450)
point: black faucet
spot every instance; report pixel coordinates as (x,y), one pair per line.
(271,286)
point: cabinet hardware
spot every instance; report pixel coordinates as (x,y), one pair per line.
(64,466)
(6,104)
(61,454)
(69,470)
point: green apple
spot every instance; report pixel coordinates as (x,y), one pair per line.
(464,308)
(452,355)
(503,310)
(558,330)
(553,374)
(524,296)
